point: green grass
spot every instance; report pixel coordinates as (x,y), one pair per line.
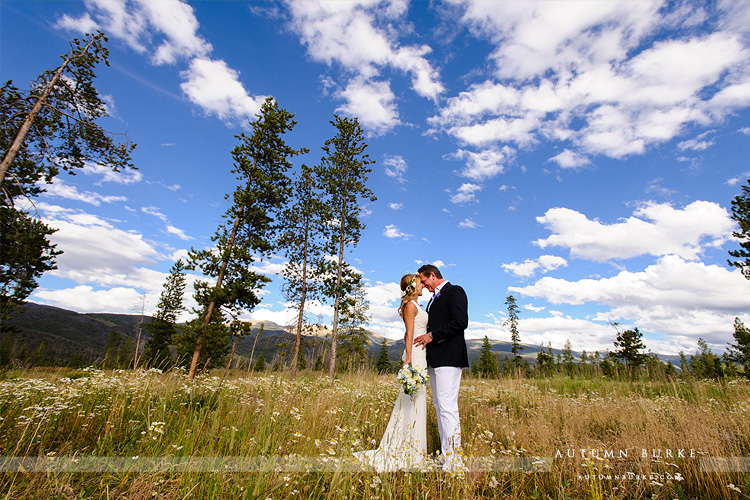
(145,414)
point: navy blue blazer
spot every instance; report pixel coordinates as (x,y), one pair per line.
(448,319)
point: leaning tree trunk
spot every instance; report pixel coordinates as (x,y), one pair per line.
(303,297)
(10,156)
(334,334)
(212,304)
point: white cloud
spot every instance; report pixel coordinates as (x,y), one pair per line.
(395,167)
(178,23)
(178,232)
(744,130)
(695,145)
(126,176)
(740,178)
(570,159)
(393,232)
(684,300)
(372,103)
(599,81)
(93,247)
(60,189)
(395,206)
(362,37)
(468,224)
(85,299)
(529,267)
(654,229)
(151,210)
(485,164)
(167,30)
(466,193)
(215,87)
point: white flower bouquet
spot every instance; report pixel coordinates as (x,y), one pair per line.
(412,379)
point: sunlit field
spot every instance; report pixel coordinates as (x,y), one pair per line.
(268,436)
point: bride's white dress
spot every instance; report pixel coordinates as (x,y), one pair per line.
(404,444)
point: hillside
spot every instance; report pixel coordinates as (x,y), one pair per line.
(71,338)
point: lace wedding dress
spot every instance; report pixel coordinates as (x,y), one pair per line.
(404,444)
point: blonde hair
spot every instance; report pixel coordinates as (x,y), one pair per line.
(408,291)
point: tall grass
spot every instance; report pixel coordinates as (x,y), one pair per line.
(579,426)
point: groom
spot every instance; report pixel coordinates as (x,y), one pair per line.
(446,355)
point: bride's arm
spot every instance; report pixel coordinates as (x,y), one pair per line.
(410,312)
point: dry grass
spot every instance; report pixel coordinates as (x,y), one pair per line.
(582,427)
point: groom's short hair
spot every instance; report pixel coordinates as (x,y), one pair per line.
(428,269)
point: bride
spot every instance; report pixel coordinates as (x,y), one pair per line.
(404,443)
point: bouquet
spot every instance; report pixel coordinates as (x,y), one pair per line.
(412,379)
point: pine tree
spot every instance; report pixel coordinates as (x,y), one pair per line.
(741,214)
(567,358)
(354,338)
(50,127)
(740,352)
(343,174)
(301,241)
(260,364)
(630,344)
(162,325)
(261,161)
(383,363)
(512,324)
(487,365)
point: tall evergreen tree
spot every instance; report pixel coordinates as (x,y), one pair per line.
(512,324)
(354,337)
(487,365)
(51,127)
(383,363)
(740,352)
(567,358)
(261,161)
(301,241)
(343,174)
(162,325)
(741,215)
(630,344)
(545,361)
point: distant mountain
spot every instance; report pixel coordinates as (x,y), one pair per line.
(72,338)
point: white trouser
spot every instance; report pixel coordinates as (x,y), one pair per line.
(445,381)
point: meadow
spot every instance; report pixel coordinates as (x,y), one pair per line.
(108,435)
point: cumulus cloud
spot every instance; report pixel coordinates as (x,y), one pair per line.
(682,299)
(570,159)
(372,103)
(654,229)
(466,193)
(393,232)
(607,78)
(468,224)
(168,28)
(530,267)
(127,176)
(216,88)
(61,189)
(362,37)
(484,165)
(395,167)
(167,31)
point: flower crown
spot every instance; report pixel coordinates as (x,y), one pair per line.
(411,286)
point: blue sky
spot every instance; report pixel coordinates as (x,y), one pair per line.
(579,155)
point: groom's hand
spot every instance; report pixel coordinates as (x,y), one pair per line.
(423,340)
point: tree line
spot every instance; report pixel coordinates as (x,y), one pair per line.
(629,360)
